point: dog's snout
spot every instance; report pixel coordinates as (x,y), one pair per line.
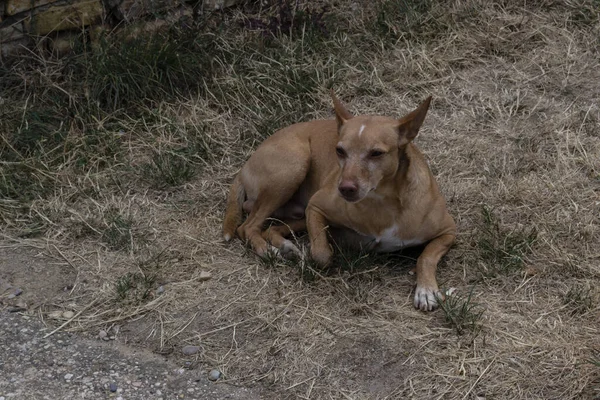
(348,189)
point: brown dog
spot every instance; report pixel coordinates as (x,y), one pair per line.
(359,178)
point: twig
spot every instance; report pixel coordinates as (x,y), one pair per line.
(479,378)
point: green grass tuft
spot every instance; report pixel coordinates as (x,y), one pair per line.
(502,252)
(463,314)
(168,169)
(579,299)
(118,232)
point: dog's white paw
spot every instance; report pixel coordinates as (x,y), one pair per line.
(427,298)
(289,250)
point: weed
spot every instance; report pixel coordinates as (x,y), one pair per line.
(502,252)
(462,314)
(288,20)
(271,258)
(168,169)
(147,68)
(595,358)
(579,299)
(408,19)
(118,234)
(134,287)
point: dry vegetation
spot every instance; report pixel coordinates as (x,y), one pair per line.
(116,162)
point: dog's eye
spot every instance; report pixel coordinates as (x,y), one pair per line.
(376,153)
(340,152)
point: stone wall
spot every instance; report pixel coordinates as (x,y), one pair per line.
(24,23)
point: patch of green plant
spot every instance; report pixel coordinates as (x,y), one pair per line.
(407,19)
(118,232)
(135,287)
(146,68)
(502,252)
(24,180)
(168,169)
(595,358)
(579,299)
(463,314)
(286,19)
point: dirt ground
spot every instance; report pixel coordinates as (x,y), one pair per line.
(129,242)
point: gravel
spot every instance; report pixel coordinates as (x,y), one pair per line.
(67,366)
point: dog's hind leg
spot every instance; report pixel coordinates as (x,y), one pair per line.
(233,213)
(276,235)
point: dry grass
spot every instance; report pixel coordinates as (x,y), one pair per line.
(130,193)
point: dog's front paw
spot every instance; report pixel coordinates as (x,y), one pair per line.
(427,298)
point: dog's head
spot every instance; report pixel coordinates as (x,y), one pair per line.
(369,147)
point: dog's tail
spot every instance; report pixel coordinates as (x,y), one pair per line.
(233,213)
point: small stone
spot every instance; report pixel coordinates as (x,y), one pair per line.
(204,276)
(18,292)
(102,335)
(21,304)
(214,375)
(68,377)
(68,314)
(112,387)
(190,350)
(160,290)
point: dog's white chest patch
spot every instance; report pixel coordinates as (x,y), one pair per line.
(389,241)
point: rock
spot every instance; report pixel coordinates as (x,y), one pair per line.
(70,16)
(68,377)
(112,387)
(68,314)
(160,290)
(103,335)
(55,314)
(16,6)
(214,375)
(190,350)
(204,275)
(16,293)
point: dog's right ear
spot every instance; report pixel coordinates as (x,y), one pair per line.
(341,114)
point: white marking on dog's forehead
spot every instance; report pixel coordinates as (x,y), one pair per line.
(360,131)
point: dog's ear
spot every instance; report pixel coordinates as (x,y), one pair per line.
(408,126)
(341,114)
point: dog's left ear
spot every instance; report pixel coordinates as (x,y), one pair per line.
(341,114)
(408,126)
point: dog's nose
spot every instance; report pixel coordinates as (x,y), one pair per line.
(348,189)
